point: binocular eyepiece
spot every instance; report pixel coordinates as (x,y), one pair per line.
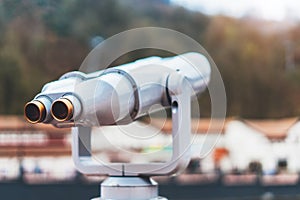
(36,111)
(62,110)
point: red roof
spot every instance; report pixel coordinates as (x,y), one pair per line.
(272,128)
(18,123)
(205,125)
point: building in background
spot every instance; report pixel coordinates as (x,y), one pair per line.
(240,147)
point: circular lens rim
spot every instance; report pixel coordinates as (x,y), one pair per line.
(68,106)
(40,108)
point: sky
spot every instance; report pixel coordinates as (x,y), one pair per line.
(276,10)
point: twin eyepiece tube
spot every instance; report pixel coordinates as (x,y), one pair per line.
(61,110)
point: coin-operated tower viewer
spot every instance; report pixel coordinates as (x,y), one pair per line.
(118,96)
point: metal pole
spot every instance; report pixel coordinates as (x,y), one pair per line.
(129,188)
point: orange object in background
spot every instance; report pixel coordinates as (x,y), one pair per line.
(219,153)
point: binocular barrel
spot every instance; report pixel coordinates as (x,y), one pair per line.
(62,110)
(35,111)
(38,110)
(117,94)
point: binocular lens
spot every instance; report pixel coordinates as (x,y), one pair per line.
(62,110)
(35,112)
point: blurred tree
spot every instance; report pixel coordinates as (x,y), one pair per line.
(11,87)
(252,65)
(42,39)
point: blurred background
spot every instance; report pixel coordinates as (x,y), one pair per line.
(255,45)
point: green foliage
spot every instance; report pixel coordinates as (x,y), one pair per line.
(11,87)
(42,39)
(252,64)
